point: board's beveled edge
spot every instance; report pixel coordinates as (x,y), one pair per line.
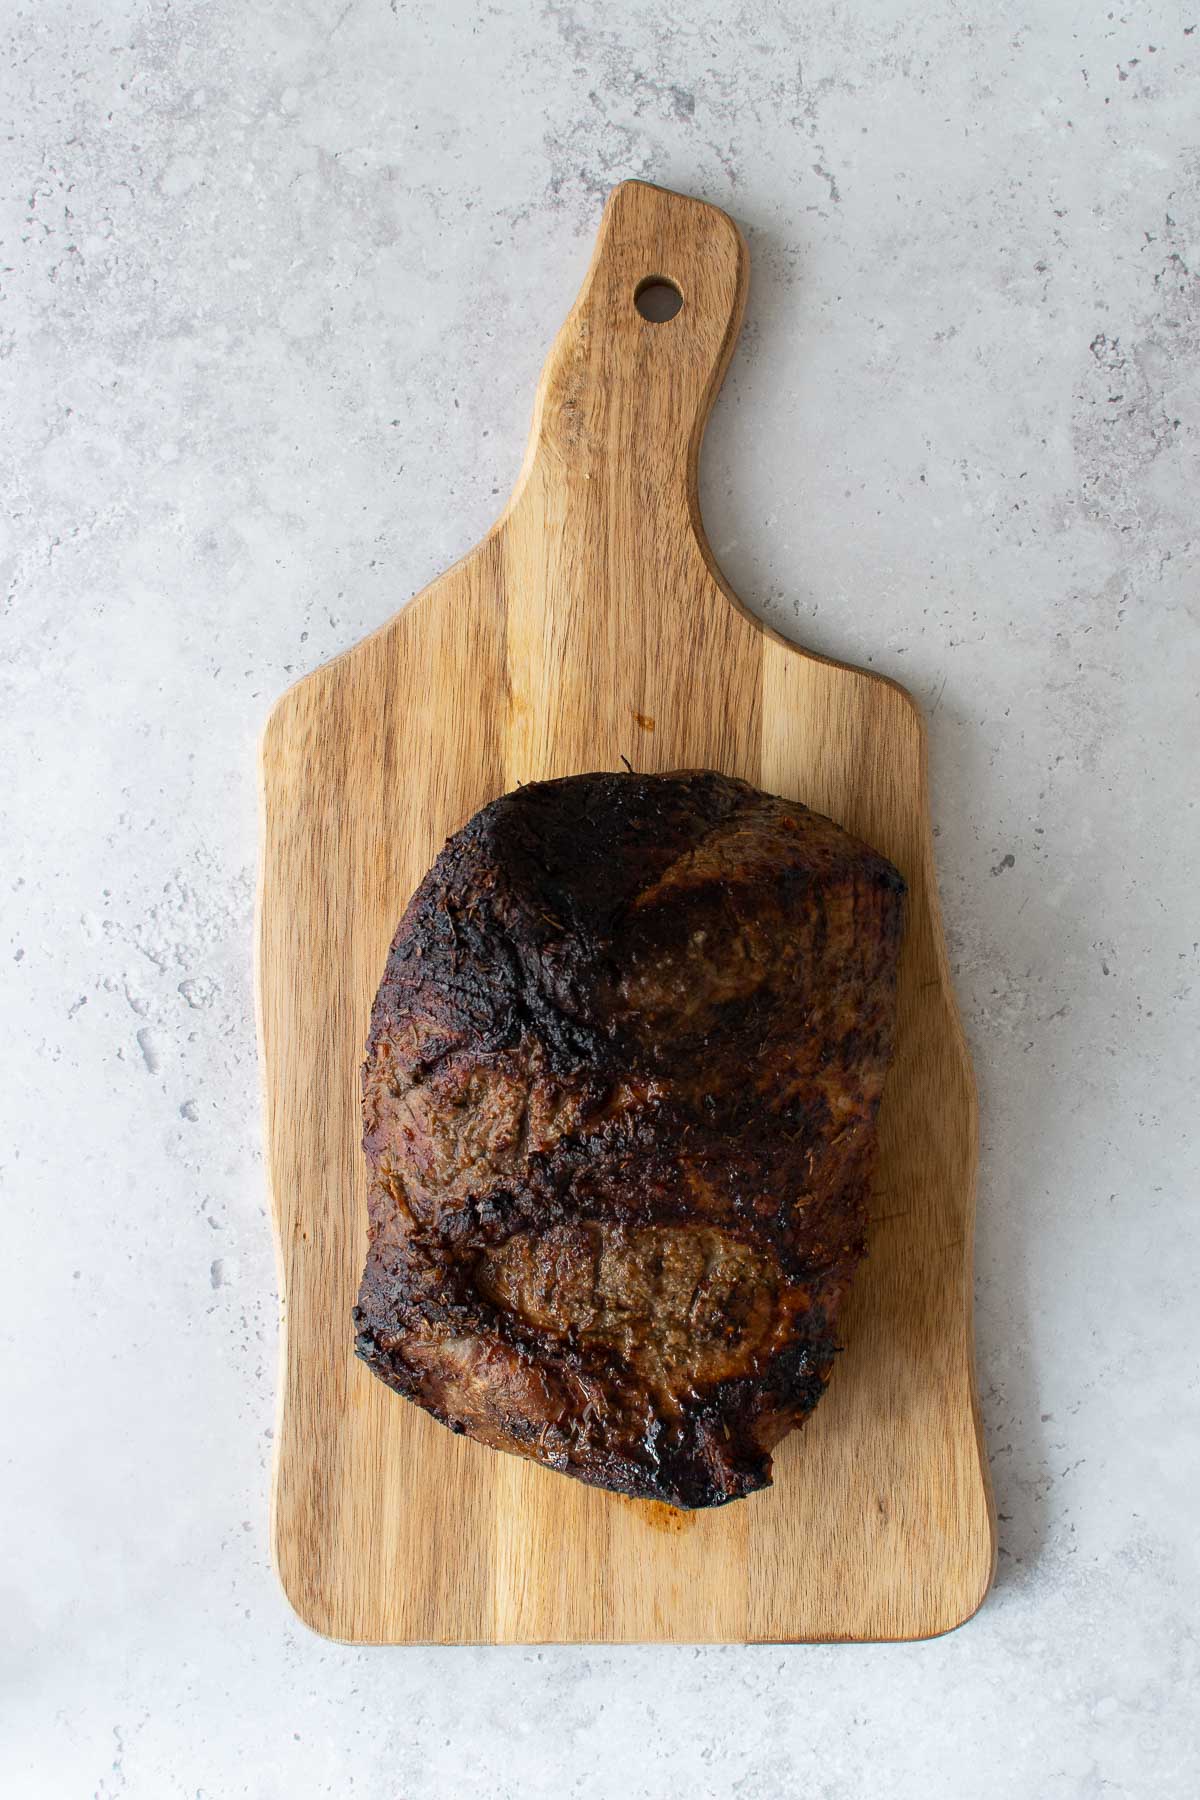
(272,728)
(985,1496)
(278,721)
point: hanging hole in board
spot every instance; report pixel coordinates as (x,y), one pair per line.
(657,299)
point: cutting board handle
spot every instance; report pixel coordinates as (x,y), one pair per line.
(624,398)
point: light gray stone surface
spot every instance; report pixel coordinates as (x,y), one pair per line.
(278,279)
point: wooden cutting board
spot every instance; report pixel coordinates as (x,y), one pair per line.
(592,624)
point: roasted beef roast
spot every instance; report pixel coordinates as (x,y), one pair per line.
(619,1106)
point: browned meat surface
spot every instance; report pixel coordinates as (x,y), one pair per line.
(619,1107)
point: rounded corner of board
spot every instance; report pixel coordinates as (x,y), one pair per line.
(906,708)
(308,1608)
(279,719)
(975,1582)
(959,1615)
(797,656)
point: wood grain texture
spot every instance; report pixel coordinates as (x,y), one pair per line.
(592,624)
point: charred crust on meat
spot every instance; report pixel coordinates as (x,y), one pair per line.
(619,1109)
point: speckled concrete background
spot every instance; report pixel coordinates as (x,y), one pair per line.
(278,279)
